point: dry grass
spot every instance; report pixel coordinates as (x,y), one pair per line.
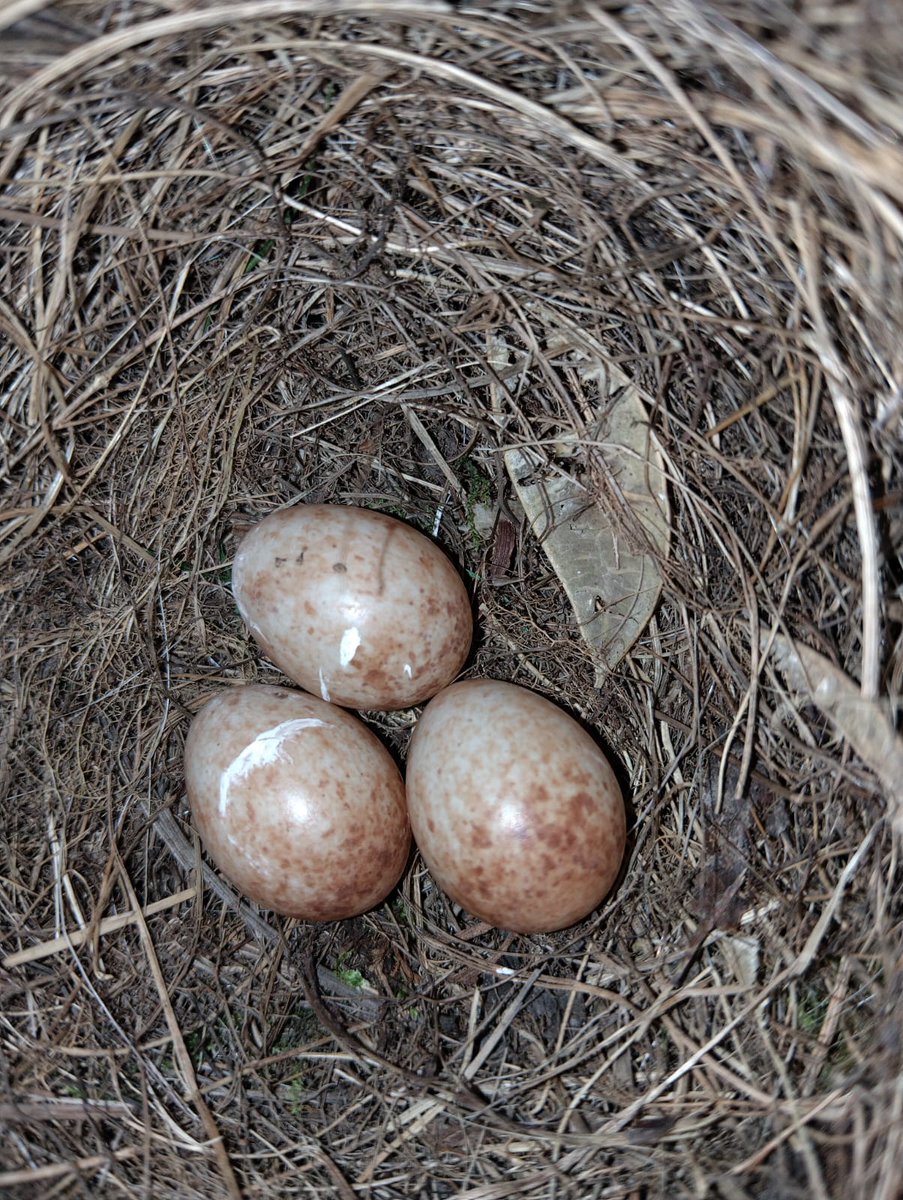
(253,253)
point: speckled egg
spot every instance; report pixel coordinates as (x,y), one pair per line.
(516,810)
(296,802)
(355,606)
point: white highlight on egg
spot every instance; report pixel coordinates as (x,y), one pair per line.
(324,688)
(351,639)
(408,670)
(511,818)
(266,748)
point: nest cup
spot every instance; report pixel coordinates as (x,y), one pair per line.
(358,253)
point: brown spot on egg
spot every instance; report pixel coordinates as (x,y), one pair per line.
(581,805)
(555,836)
(479,838)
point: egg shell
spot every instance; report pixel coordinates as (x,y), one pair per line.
(355,606)
(296,802)
(515,809)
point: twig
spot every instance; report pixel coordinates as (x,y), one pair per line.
(77,1166)
(180,1050)
(838,385)
(107,925)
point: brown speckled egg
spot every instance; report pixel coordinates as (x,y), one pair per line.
(296,802)
(515,809)
(355,606)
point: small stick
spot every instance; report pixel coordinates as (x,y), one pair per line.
(180,1050)
(107,925)
(78,1166)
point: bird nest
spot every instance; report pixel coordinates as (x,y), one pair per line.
(270,252)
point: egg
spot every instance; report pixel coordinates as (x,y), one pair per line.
(355,606)
(515,809)
(296,802)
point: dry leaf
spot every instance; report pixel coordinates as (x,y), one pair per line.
(608,569)
(726,819)
(741,954)
(865,723)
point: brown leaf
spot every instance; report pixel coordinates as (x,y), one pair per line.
(719,901)
(864,722)
(604,550)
